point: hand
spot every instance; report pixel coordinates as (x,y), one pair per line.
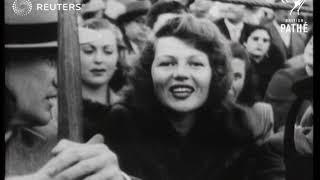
(90,161)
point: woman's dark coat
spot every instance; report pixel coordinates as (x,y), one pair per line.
(148,147)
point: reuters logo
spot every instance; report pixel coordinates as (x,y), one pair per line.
(22,7)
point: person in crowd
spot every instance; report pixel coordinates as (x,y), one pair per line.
(31,83)
(92,9)
(102,71)
(233,25)
(254,15)
(289,43)
(201,8)
(185,3)
(297,154)
(264,57)
(279,93)
(179,123)
(300,60)
(243,89)
(161,11)
(133,24)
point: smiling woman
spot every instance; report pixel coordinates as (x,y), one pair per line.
(180,124)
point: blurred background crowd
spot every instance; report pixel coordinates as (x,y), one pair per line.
(263,54)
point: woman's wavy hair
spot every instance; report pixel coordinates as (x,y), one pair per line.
(119,77)
(199,33)
(248,94)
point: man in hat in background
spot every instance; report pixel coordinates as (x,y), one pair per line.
(289,43)
(161,11)
(279,93)
(276,162)
(133,23)
(232,26)
(31,82)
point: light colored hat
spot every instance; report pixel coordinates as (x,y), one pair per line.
(87,35)
(114,9)
(26,27)
(93,5)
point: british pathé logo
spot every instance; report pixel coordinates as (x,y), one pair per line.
(22,7)
(297,4)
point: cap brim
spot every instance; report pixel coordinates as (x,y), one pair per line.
(52,44)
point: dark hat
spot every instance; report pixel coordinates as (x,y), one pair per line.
(134,8)
(304,88)
(29,28)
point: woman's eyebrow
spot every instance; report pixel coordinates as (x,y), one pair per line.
(197,56)
(165,56)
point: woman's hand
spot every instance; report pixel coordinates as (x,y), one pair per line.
(74,161)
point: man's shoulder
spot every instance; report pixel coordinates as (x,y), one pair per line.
(295,62)
(288,74)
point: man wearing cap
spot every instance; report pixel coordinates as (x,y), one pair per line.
(289,43)
(133,23)
(280,161)
(31,85)
(279,93)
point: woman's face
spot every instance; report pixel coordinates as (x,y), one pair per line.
(258,43)
(181,75)
(99,59)
(239,72)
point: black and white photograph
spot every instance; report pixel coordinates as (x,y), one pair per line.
(158,89)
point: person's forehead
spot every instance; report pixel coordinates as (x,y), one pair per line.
(260,32)
(107,37)
(173,46)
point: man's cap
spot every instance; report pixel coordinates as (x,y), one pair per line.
(134,8)
(304,88)
(26,27)
(36,30)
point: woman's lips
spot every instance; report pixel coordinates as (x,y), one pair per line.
(181,91)
(97,71)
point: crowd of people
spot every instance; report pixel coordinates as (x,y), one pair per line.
(171,89)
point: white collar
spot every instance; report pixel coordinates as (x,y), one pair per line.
(229,25)
(8,135)
(309,71)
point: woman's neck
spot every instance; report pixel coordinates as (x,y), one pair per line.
(96,94)
(183,123)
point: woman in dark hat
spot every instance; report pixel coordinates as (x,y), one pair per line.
(180,124)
